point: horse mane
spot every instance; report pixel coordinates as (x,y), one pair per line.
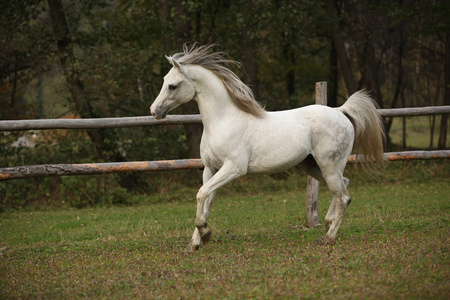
(216,62)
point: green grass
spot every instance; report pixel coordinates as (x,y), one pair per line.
(394,242)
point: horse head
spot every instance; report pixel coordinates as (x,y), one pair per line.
(177,89)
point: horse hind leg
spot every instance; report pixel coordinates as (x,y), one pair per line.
(341,199)
(329,218)
(338,186)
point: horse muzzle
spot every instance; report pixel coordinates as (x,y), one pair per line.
(158,113)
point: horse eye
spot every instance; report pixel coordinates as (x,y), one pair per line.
(172,87)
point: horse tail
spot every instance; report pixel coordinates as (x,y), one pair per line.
(361,110)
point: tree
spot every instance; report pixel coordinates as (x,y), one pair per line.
(106,148)
(339,45)
(22,47)
(112,56)
(393,47)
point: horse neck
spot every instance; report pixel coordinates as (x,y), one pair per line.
(213,99)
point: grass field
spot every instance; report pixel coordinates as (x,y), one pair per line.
(394,242)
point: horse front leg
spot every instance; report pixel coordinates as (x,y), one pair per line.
(205,198)
(202,232)
(197,237)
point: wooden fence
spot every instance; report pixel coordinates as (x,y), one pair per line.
(17,172)
(312,215)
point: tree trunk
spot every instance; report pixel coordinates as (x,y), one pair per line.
(432,124)
(444,119)
(107,151)
(333,78)
(403,125)
(66,56)
(290,74)
(173,40)
(400,41)
(365,52)
(250,62)
(369,73)
(341,51)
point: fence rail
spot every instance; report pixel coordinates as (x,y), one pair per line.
(414,111)
(172,120)
(97,123)
(97,168)
(166,165)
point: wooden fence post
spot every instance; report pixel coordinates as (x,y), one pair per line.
(312,189)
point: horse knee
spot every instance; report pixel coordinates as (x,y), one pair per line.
(344,203)
(201,195)
(346,199)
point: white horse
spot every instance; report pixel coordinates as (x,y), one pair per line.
(240,137)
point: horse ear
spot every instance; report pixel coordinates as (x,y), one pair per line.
(174,63)
(177,65)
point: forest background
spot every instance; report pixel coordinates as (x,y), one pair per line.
(105,58)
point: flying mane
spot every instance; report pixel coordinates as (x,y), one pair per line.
(240,93)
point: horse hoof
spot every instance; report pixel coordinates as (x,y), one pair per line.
(191,249)
(206,237)
(324,241)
